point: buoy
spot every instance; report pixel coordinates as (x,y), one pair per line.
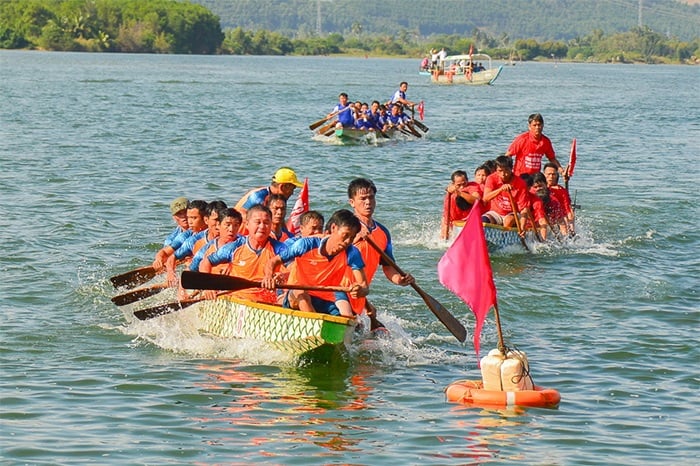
(472,392)
(506,381)
(515,372)
(491,370)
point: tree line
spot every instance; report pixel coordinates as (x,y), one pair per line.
(169,26)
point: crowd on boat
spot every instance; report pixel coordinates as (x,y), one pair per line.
(514,189)
(434,61)
(255,241)
(375,116)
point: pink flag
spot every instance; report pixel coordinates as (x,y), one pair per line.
(300,206)
(465,270)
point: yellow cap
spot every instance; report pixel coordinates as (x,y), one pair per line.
(287,175)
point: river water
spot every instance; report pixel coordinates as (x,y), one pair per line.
(93,147)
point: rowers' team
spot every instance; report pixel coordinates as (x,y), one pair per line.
(372,117)
(539,201)
(258,247)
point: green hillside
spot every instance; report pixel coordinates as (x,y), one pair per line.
(509,19)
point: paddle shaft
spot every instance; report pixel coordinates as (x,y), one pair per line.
(137,277)
(446,226)
(211,281)
(443,315)
(138,294)
(134,277)
(318,123)
(517,220)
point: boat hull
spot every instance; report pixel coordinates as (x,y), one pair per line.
(480,78)
(497,236)
(358,136)
(472,393)
(292,331)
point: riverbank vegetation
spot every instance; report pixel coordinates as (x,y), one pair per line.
(168,26)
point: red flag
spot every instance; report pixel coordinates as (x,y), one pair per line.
(465,270)
(572,160)
(421,110)
(470,65)
(300,206)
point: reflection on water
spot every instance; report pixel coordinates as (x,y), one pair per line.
(293,404)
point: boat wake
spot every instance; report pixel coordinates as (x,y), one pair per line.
(426,234)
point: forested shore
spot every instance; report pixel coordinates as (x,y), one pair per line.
(168,26)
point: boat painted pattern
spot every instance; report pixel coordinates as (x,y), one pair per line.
(288,330)
(497,236)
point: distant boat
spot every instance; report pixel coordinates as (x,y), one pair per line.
(465,69)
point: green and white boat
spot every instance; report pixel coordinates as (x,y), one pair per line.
(302,334)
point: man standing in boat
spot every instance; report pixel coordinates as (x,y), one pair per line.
(400,96)
(284,182)
(362,196)
(529,147)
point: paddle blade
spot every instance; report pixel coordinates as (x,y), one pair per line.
(138,294)
(421,126)
(448,320)
(443,315)
(318,123)
(211,281)
(134,277)
(163,309)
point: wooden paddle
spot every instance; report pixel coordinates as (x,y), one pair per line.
(138,294)
(211,281)
(421,126)
(324,128)
(318,123)
(517,220)
(163,309)
(413,131)
(447,319)
(446,223)
(134,277)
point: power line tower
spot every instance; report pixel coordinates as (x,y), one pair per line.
(318,18)
(639,15)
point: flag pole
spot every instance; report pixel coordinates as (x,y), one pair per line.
(501,344)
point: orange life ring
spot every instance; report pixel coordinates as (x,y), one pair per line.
(471,392)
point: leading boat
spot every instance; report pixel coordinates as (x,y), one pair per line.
(465,70)
(307,335)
